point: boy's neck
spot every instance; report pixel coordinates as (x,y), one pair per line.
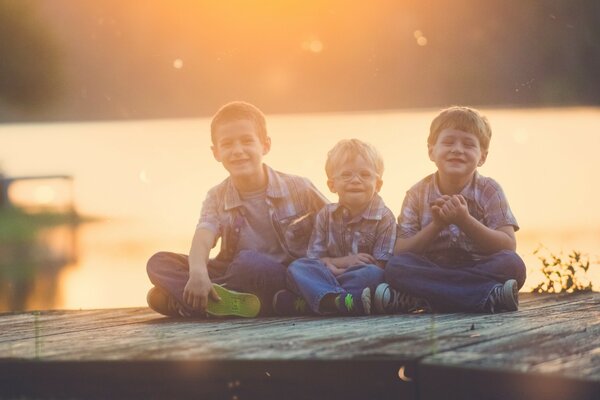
(453,185)
(251,183)
(355,210)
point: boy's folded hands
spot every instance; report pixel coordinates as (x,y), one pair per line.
(337,265)
(450,209)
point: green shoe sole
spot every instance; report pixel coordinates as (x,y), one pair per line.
(233,303)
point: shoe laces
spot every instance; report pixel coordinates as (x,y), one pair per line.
(404,302)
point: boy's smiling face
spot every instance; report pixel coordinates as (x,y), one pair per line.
(457,154)
(355,183)
(238,147)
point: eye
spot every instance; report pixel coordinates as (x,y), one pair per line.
(366,175)
(346,175)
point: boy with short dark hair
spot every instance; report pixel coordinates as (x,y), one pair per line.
(456,239)
(351,242)
(263,217)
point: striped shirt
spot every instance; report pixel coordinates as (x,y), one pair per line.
(486,203)
(337,234)
(292,201)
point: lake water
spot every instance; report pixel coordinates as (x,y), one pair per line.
(147,179)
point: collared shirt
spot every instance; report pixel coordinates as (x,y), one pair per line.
(293,203)
(337,234)
(486,202)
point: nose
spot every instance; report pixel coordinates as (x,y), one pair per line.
(456,148)
(355,178)
(236,148)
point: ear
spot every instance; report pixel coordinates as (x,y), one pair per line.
(430,151)
(378,185)
(216,153)
(331,186)
(266,145)
(482,158)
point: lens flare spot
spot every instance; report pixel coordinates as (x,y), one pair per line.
(402,374)
(313,45)
(422,41)
(143,176)
(178,63)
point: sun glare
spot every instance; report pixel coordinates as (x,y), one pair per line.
(44,195)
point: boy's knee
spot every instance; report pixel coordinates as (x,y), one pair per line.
(373,274)
(515,265)
(156,262)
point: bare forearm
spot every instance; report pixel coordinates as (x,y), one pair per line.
(420,241)
(200,251)
(489,240)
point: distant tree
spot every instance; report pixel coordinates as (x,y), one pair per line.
(30,70)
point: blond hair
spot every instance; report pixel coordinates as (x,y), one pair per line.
(464,119)
(350,149)
(239,110)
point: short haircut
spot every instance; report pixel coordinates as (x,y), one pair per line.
(236,111)
(463,119)
(349,149)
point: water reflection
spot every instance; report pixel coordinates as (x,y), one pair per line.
(30,267)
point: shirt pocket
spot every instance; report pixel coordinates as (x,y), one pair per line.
(363,242)
(296,232)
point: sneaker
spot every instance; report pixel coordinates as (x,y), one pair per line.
(504,297)
(389,301)
(165,304)
(354,304)
(289,303)
(233,304)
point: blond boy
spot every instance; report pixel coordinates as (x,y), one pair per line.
(351,242)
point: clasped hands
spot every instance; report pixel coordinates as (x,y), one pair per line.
(448,210)
(338,265)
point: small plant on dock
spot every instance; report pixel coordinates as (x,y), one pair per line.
(563,273)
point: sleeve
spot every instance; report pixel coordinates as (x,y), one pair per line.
(497,212)
(409,223)
(317,246)
(386,237)
(209,218)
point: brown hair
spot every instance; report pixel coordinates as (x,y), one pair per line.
(239,110)
(461,118)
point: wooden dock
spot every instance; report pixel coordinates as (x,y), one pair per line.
(550,349)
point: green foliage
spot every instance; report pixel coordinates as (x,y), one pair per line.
(563,273)
(18,226)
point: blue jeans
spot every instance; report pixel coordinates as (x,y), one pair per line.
(312,280)
(457,288)
(249,272)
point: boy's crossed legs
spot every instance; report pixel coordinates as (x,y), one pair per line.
(311,282)
(464,288)
(249,272)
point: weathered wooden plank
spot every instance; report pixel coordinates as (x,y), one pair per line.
(560,360)
(139,337)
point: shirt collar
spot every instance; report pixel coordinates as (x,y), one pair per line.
(374,210)
(276,188)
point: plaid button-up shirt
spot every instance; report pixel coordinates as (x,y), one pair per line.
(336,234)
(293,204)
(486,202)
